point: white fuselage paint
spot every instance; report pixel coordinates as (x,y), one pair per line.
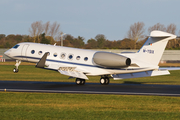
(24,53)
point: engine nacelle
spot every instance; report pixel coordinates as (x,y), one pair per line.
(111,60)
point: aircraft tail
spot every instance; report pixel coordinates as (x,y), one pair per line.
(152,50)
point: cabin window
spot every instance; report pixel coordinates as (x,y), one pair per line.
(55,54)
(63,55)
(32,51)
(70,57)
(16,46)
(86,59)
(78,58)
(40,52)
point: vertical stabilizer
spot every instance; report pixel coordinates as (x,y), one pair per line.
(151,52)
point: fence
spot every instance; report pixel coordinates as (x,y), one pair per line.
(2,59)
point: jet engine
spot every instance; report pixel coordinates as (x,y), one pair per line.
(111,60)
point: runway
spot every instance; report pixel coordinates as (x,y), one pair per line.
(90,88)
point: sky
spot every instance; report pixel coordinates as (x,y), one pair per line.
(87,18)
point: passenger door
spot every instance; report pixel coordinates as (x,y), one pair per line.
(23,52)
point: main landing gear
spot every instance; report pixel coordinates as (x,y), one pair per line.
(104,80)
(18,62)
(80,81)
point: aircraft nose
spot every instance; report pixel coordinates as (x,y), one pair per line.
(7,53)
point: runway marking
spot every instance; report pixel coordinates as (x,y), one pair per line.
(88,92)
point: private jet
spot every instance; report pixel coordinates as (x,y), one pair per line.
(80,63)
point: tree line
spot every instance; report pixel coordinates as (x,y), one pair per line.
(48,33)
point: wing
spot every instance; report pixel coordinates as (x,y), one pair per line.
(71,71)
(65,70)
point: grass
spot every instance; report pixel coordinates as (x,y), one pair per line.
(82,106)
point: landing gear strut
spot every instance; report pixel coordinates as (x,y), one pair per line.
(104,80)
(80,81)
(18,62)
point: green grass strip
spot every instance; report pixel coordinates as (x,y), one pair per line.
(81,106)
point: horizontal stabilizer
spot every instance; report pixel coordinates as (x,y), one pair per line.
(70,71)
(140,74)
(170,68)
(42,61)
(157,33)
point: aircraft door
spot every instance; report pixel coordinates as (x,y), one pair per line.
(23,52)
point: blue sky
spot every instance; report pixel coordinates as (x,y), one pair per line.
(87,18)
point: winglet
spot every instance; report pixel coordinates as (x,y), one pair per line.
(42,61)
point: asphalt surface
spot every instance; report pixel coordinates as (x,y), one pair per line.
(90,88)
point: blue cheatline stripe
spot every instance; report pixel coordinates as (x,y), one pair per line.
(59,61)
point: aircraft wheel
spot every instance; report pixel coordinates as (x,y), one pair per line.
(107,81)
(80,81)
(15,70)
(104,80)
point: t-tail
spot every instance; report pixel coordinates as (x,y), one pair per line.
(152,51)
(148,57)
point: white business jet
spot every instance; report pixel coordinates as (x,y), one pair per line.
(80,63)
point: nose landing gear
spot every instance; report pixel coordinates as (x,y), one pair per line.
(18,62)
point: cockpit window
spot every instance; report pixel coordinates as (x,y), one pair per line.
(16,46)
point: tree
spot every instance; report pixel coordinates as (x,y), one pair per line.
(91,44)
(46,28)
(7,45)
(100,38)
(37,28)
(171,29)
(44,39)
(2,36)
(33,30)
(67,43)
(68,40)
(54,30)
(78,42)
(136,32)
(157,26)
(127,43)
(40,29)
